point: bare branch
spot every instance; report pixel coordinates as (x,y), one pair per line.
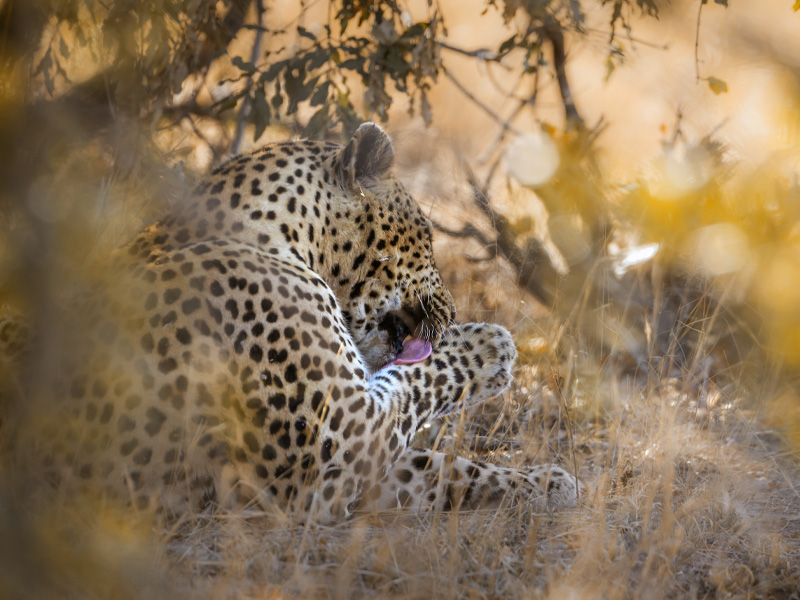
(553,32)
(697,42)
(244,111)
(481,53)
(632,38)
(504,130)
(480,259)
(477,102)
(201,136)
(526,262)
(468,231)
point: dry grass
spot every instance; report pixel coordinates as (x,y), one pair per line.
(691,495)
(694,493)
(684,503)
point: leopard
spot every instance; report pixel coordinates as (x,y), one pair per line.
(250,352)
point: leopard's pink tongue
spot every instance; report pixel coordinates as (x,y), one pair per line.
(414,350)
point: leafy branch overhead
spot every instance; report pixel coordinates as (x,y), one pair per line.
(168,63)
(351,65)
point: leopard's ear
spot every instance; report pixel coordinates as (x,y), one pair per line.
(366,159)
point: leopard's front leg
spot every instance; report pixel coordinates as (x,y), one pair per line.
(362,437)
(470,364)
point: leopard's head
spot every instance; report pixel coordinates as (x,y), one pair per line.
(383,270)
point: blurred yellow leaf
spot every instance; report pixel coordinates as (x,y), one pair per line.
(522,226)
(717,85)
(611,67)
(533,349)
(796,6)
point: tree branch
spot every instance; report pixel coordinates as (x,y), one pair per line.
(480,53)
(244,110)
(468,231)
(697,43)
(554,34)
(527,262)
(231,24)
(477,102)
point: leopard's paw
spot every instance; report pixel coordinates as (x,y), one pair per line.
(555,487)
(484,354)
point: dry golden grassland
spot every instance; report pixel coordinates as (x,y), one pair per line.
(694,489)
(693,480)
(691,495)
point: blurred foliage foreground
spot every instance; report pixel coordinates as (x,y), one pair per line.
(691,271)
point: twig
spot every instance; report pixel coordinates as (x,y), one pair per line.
(468,231)
(480,53)
(480,259)
(524,262)
(501,136)
(297,19)
(697,42)
(477,102)
(499,88)
(214,154)
(499,140)
(552,31)
(631,38)
(244,111)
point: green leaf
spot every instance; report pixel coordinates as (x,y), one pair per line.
(320,95)
(305,33)
(317,124)
(307,89)
(316,59)
(297,89)
(354,64)
(578,18)
(511,42)
(717,85)
(243,65)
(274,70)
(261,113)
(277,98)
(722,2)
(348,117)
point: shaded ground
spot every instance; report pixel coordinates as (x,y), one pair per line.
(692,496)
(684,504)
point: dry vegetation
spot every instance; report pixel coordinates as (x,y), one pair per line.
(686,501)
(689,449)
(691,495)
